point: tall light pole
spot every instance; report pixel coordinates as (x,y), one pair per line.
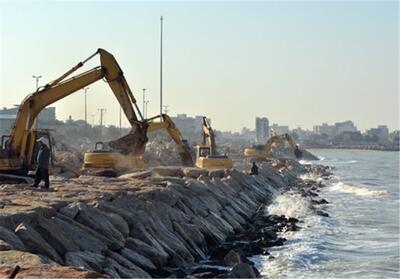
(161,64)
(37,81)
(102,111)
(144,98)
(147,102)
(86,124)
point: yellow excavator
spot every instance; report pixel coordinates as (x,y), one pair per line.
(263,151)
(103,156)
(206,154)
(18,151)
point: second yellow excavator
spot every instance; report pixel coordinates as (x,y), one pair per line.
(206,154)
(103,157)
(263,151)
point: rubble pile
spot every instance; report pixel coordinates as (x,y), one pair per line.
(162,153)
(157,223)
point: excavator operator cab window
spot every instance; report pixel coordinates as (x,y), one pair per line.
(101,147)
(4,142)
(204,151)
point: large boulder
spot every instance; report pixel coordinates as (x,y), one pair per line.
(243,270)
(96,220)
(123,272)
(56,235)
(84,239)
(194,172)
(168,171)
(34,242)
(9,237)
(85,259)
(138,259)
(157,256)
(232,258)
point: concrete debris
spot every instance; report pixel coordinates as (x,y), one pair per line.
(162,153)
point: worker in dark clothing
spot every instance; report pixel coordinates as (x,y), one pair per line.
(254,169)
(42,171)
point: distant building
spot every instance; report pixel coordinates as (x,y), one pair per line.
(262,129)
(279,129)
(301,134)
(189,126)
(329,130)
(382,132)
(8,116)
(346,126)
(395,136)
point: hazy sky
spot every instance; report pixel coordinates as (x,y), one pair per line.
(298,63)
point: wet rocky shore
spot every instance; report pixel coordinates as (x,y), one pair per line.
(163,222)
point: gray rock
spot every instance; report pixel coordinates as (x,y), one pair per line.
(157,256)
(56,235)
(85,259)
(11,238)
(138,259)
(243,270)
(98,221)
(82,238)
(35,243)
(232,258)
(123,271)
(4,246)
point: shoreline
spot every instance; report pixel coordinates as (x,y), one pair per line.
(353,148)
(165,222)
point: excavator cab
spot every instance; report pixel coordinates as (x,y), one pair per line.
(15,165)
(206,160)
(103,157)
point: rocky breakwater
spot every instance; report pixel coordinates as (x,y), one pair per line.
(163,222)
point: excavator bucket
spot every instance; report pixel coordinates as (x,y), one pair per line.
(133,143)
(186,156)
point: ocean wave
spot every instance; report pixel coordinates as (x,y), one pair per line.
(359,191)
(290,205)
(311,176)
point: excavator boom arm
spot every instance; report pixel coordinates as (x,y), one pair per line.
(175,134)
(34,103)
(208,134)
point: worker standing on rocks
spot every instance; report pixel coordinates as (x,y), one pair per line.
(254,169)
(42,170)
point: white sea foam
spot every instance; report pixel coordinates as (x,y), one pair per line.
(359,191)
(310,176)
(290,205)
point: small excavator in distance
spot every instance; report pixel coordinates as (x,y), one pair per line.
(263,151)
(206,154)
(18,151)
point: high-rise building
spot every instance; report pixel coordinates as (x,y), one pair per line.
(280,129)
(262,129)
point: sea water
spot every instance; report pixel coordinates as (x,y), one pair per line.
(359,239)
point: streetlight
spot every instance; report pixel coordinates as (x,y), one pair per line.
(144,100)
(85,89)
(146,109)
(37,81)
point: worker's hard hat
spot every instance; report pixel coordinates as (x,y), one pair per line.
(42,140)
